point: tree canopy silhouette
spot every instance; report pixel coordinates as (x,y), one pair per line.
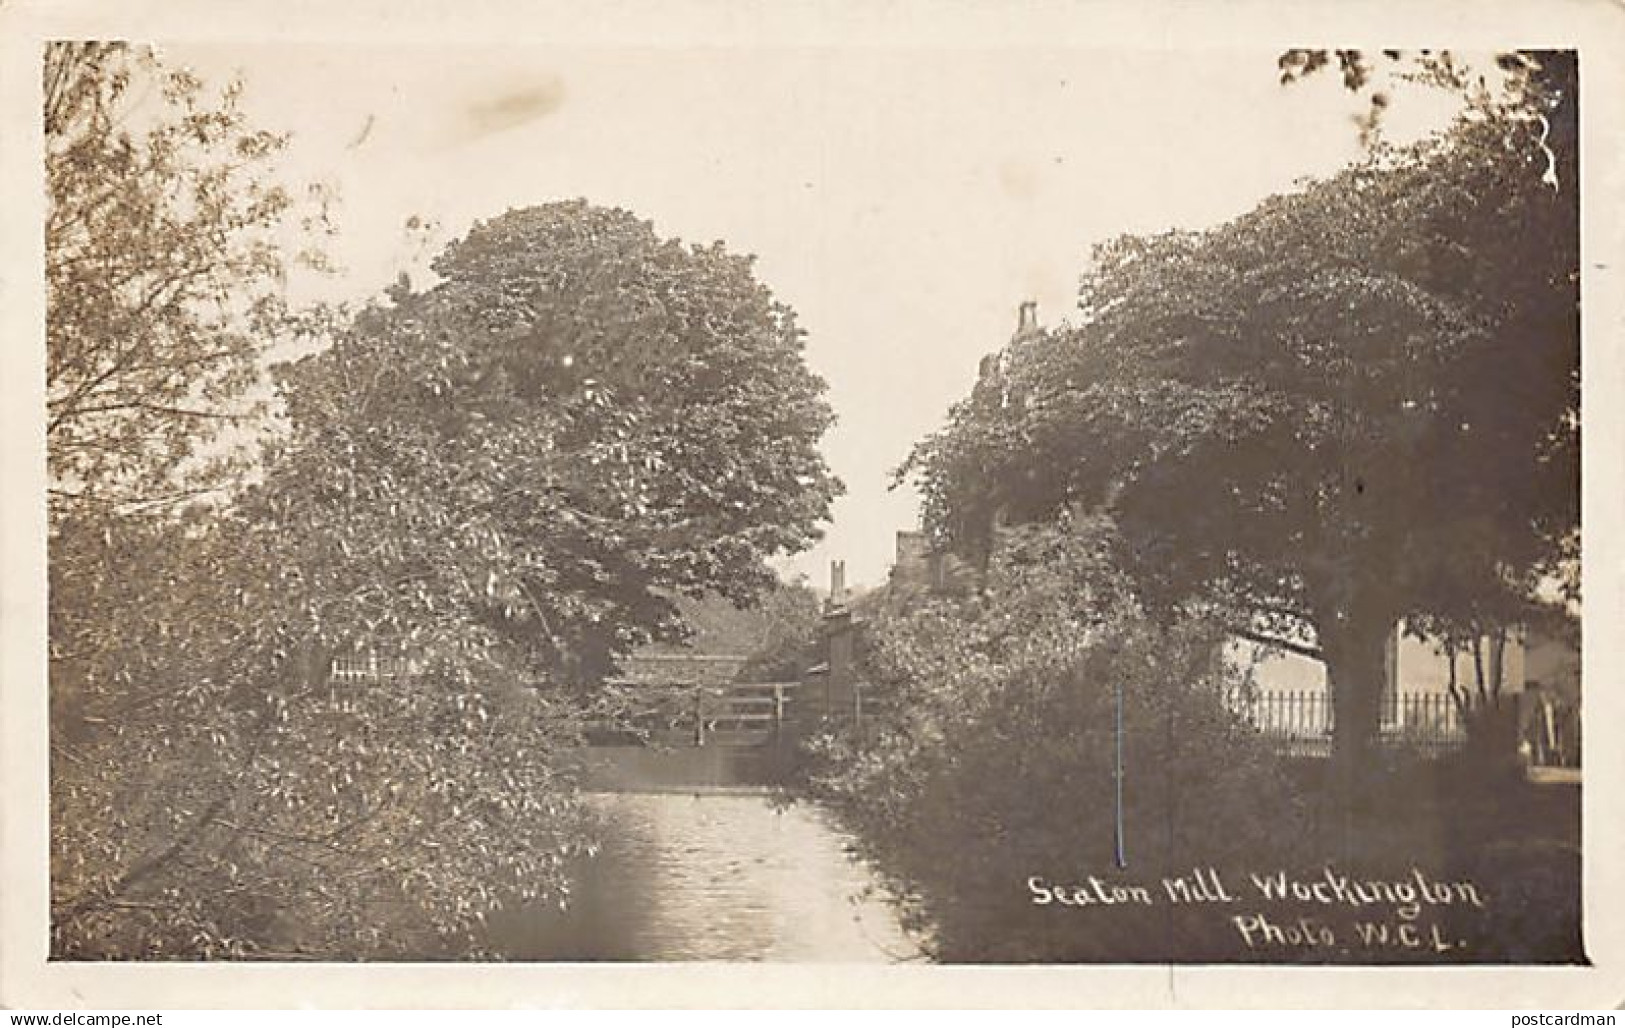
(1356,403)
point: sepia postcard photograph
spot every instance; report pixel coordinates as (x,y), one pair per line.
(912,487)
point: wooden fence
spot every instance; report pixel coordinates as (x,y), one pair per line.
(744,713)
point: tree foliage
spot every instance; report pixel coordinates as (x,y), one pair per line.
(165,254)
(577,423)
(1355,404)
(215,794)
(1545,83)
(166,240)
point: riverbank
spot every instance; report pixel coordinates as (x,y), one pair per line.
(1444,869)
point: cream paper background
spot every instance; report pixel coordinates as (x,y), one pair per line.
(28,980)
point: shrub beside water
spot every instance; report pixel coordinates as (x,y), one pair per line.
(989,778)
(996,768)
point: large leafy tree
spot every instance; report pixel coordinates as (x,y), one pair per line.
(580,421)
(1473,610)
(1355,404)
(166,232)
(490,488)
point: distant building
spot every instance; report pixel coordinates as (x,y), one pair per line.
(834,686)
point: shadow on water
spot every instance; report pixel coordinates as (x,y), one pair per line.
(710,871)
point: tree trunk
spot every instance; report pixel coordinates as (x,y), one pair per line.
(1356,668)
(1356,671)
(1478,671)
(1498,647)
(1457,697)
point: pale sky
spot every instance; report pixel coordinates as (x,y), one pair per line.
(903,201)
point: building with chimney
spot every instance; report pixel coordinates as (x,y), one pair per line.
(834,686)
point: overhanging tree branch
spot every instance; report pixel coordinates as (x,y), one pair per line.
(1274,642)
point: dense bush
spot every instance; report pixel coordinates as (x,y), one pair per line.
(997,761)
(989,758)
(215,795)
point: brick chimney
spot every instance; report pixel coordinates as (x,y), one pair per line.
(913,563)
(839,679)
(837,583)
(1027,320)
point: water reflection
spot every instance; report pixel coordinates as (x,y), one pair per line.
(712,876)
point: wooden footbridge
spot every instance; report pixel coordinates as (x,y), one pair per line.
(686,700)
(734,714)
(684,726)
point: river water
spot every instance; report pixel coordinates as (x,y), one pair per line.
(725,875)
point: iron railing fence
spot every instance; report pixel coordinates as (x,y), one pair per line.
(1300,722)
